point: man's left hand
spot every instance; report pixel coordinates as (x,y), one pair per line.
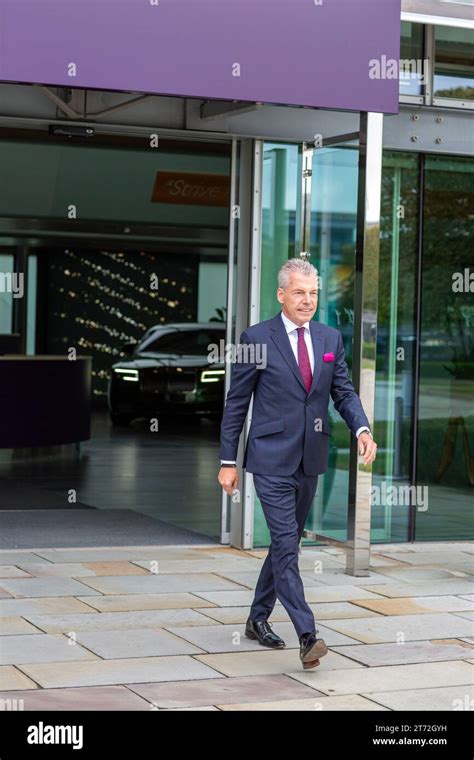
(367,448)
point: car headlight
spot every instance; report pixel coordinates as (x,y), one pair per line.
(131,375)
(211,375)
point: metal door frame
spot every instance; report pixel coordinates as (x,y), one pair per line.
(370,136)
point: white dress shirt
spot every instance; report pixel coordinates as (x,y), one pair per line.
(291,330)
(292,333)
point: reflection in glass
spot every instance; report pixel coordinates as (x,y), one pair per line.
(333,240)
(394,391)
(411,49)
(6,296)
(332,249)
(454,63)
(280,199)
(446,409)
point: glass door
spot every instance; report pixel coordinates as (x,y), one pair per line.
(329,193)
(309,208)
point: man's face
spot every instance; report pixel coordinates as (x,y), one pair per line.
(300,298)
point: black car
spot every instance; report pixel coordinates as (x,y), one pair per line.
(171,371)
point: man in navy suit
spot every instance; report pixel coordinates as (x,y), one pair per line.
(287,446)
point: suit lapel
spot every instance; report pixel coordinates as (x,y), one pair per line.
(318,347)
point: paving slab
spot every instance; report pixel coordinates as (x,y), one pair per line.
(206,565)
(312,704)
(442,698)
(124,671)
(420,605)
(417,574)
(143,584)
(130,602)
(250,578)
(222,690)
(230,638)
(206,708)
(440,588)
(410,652)
(111,555)
(467,615)
(43,587)
(338,577)
(266,662)
(104,621)
(12,571)
(14,625)
(52,605)
(16,650)
(331,610)
(403,627)
(94,698)
(312,594)
(11,678)
(135,642)
(79,569)
(433,557)
(388,678)
(14,557)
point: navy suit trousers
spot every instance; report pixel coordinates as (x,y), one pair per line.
(286,501)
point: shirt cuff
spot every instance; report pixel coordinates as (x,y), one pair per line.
(228,461)
(361,430)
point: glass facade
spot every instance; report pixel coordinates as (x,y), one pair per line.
(424,355)
(115,238)
(425,351)
(454,63)
(396,344)
(281,182)
(109,219)
(332,238)
(411,49)
(445,436)
(6,294)
(94,293)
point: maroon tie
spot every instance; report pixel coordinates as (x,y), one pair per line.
(303,360)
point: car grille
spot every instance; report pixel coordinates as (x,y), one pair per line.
(182,381)
(159,381)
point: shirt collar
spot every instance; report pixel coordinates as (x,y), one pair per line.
(289,325)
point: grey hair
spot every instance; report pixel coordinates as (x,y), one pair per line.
(299,266)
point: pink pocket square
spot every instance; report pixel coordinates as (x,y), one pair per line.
(328,357)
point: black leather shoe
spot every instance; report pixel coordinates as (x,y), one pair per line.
(311,649)
(261,630)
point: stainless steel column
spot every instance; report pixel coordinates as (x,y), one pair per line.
(243,286)
(365,332)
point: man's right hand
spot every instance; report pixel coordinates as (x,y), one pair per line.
(229,479)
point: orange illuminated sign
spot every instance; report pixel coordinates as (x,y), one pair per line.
(191,188)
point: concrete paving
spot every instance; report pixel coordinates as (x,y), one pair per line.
(162,628)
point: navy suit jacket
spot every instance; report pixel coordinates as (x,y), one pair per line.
(288,424)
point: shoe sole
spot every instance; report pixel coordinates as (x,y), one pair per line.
(311,658)
(312,664)
(254,637)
